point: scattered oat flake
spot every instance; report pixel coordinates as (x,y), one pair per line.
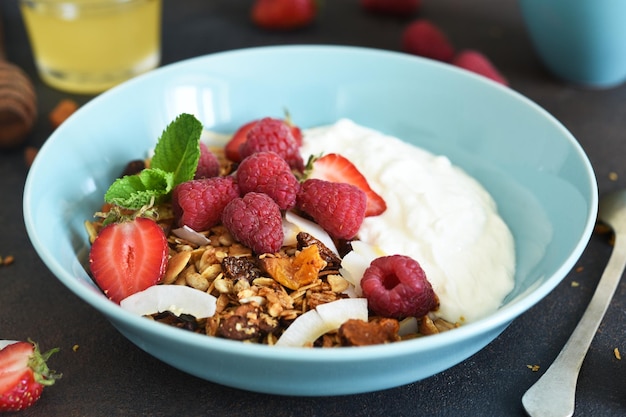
(533,368)
(575,284)
(613,176)
(618,356)
(75,348)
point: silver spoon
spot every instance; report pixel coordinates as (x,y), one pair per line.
(553,394)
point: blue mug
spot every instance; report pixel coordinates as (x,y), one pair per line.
(580,41)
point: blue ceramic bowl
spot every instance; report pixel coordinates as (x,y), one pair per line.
(533,167)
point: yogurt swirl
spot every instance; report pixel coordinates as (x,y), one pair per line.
(436,213)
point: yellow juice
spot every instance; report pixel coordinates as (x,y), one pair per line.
(87,46)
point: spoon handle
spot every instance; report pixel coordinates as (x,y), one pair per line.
(553,394)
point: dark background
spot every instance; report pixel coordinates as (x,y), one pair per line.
(108,376)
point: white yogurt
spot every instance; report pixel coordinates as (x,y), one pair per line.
(436,214)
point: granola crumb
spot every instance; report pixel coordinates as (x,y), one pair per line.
(7,260)
(613,176)
(533,368)
(580,269)
(618,356)
(75,348)
(575,284)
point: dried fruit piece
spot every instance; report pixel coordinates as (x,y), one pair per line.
(295,272)
(374,332)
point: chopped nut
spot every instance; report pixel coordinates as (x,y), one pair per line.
(62,111)
(175,266)
(337,283)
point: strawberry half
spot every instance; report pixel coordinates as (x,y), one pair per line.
(23,375)
(232,146)
(128,257)
(336,168)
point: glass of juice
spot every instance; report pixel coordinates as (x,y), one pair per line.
(88,46)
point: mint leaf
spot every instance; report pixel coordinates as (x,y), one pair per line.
(136,191)
(178,148)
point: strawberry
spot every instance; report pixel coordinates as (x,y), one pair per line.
(424,39)
(128,256)
(283,14)
(232,147)
(23,375)
(391,7)
(337,168)
(241,135)
(478,63)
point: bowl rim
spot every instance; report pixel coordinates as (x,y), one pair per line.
(499,319)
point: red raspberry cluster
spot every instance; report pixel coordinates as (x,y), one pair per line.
(250,201)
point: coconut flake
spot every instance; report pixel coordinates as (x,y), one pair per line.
(326,317)
(178,299)
(408,326)
(5,343)
(354,264)
(191,235)
(312,228)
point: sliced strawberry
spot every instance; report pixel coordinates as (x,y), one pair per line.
(128,257)
(336,168)
(23,375)
(232,147)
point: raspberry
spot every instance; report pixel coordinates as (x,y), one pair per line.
(268,173)
(208,165)
(199,203)
(255,221)
(339,208)
(423,38)
(478,63)
(270,134)
(396,286)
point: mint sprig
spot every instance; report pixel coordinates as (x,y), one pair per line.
(175,161)
(178,149)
